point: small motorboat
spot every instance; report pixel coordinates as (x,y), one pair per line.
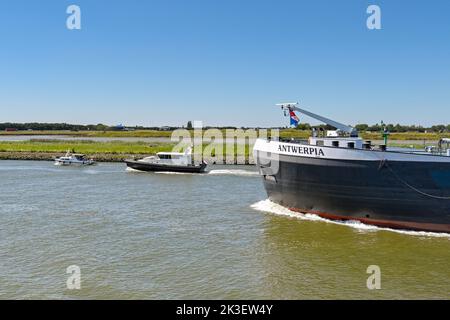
(74,159)
(168,162)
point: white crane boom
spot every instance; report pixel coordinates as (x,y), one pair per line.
(293,106)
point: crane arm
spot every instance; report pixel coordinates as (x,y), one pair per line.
(293,107)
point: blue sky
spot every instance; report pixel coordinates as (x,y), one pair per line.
(164,62)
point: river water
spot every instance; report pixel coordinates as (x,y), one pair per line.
(187,236)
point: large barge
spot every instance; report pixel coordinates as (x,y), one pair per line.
(338,175)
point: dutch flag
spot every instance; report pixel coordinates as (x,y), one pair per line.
(294,118)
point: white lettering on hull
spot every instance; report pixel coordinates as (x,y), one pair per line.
(306,150)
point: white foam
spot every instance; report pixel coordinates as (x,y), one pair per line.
(92,171)
(218,172)
(171,172)
(235,172)
(273,208)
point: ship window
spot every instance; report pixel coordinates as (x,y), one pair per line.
(335,143)
(319,143)
(351,145)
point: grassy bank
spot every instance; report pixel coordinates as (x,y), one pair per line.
(105,151)
(87,147)
(100,151)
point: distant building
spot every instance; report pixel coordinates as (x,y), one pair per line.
(10,129)
(119,127)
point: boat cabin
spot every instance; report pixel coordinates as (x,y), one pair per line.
(79,156)
(174,158)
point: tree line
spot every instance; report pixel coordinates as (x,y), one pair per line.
(303,126)
(68,127)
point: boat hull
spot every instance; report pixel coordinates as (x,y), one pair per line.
(395,194)
(154,167)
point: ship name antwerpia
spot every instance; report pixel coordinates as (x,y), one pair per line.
(301,150)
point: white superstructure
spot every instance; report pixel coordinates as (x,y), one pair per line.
(170,158)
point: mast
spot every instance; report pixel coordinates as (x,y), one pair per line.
(342,127)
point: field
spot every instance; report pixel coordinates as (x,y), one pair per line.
(137,133)
(284,133)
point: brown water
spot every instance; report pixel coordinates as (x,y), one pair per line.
(212,236)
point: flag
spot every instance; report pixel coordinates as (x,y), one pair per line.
(294,118)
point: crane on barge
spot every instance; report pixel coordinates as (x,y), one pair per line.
(293,106)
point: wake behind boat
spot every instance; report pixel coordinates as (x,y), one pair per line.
(168,162)
(338,175)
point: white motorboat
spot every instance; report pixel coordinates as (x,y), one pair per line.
(77,159)
(168,161)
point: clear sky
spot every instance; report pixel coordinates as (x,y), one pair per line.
(164,62)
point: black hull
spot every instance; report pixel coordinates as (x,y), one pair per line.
(396,194)
(152,167)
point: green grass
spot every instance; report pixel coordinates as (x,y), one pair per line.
(87,147)
(405,136)
(114,147)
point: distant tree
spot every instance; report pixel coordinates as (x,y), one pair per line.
(390,127)
(189,125)
(101,127)
(304,126)
(399,128)
(438,128)
(375,127)
(362,127)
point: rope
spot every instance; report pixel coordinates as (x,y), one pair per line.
(385,163)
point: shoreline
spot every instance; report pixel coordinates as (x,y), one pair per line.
(105,157)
